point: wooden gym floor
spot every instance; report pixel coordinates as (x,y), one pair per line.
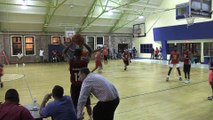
(144,93)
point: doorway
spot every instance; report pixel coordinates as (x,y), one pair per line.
(122,47)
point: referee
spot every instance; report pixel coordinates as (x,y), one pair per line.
(103,90)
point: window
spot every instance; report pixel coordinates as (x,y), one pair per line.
(100,40)
(55,40)
(90,42)
(208,49)
(146,48)
(16,45)
(29,45)
(66,40)
(22,44)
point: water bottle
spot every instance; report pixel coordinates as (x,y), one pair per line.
(35,106)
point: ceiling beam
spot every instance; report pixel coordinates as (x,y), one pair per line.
(86,23)
(124,24)
(16,4)
(120,23)
(117,21)
(91,10)
(51,9)
(148,6)
(114,2)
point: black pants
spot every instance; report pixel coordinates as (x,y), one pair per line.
(186,69)
(75,92)
(105,110)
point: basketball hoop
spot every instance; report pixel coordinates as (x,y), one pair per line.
(189,19)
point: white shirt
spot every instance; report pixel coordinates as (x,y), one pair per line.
(99,86)
(41,53)
(20,55)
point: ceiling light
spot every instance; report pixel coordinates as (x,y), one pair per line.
(141,17)
(24,7)
(71,5)
(110,12)
(24,4)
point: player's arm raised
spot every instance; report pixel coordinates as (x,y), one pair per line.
(89,50)
(66,49)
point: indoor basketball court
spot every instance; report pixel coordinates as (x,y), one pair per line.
(143,90)
(29,26)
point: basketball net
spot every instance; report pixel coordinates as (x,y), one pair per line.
(189,19)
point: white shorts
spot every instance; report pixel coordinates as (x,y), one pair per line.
(174,65)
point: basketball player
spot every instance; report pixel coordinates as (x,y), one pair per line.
(187,65)
(1,74)
(125,57)
(174,59)
(105,53)
(98,64)
(76,63)
(211,79)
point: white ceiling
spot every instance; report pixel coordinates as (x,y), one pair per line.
(78,15)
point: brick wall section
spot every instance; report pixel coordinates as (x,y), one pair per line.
(42,40)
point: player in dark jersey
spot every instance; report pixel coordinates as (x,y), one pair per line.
(187,65)
(77,62)
(105,53)
(1,74)
(125,57)
(174,59)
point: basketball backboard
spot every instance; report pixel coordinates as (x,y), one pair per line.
(139,30)
(200,8)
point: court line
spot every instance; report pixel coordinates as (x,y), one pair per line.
(129,110)
(158,91)
(12,77)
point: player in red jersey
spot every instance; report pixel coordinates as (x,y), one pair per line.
(76,63)
(105,53)
(98,64)
(125,57)
(174,59)
(187,65)
(211,78)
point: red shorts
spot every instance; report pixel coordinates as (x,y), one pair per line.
(1,72)
(98,63)
(210,77)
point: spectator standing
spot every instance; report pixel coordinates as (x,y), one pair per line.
(103,90)
(41,54)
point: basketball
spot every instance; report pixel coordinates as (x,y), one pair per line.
(78,39)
